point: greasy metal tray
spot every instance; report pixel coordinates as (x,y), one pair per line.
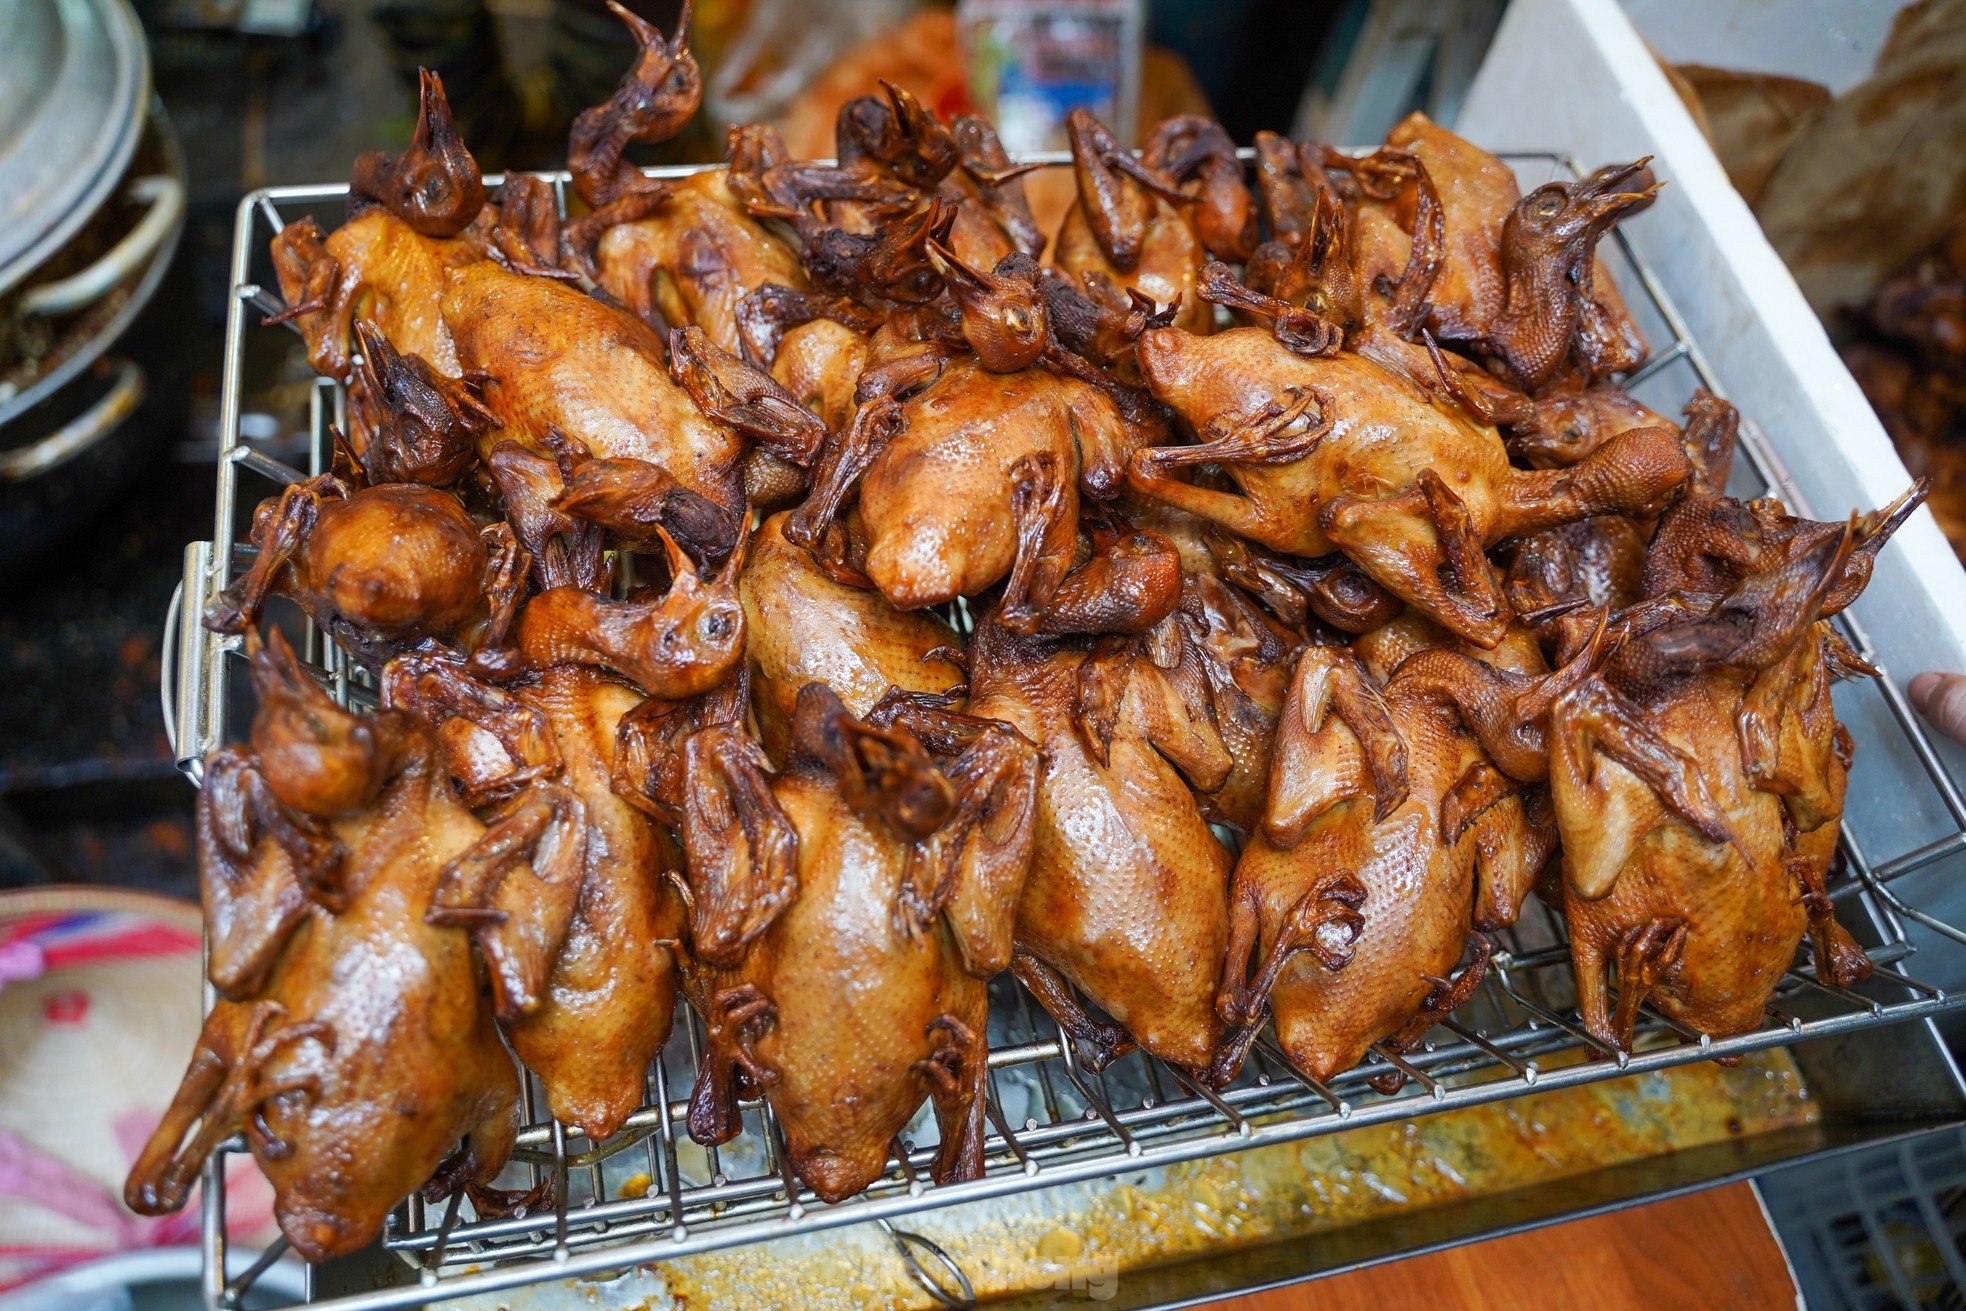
(1053,1122)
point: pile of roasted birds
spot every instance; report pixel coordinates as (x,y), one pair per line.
(812,588)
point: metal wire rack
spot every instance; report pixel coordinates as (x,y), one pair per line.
(645,1195)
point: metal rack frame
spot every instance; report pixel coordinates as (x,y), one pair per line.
(1520,1033)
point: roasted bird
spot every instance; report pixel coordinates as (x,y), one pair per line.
(353,1046)
(792,586)
(380,569)
(808,626)
(411,220)
(1339,453)
(688,251)
(1126,902)
(586,984)
(563,369)
(896,876)
(1389,837)
(1698,781)
(939,502)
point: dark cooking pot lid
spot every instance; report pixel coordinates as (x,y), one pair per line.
(74,81)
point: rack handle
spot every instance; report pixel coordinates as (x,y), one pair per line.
(184,655)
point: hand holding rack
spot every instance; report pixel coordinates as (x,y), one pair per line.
(645,1195)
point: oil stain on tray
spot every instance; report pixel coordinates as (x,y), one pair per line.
(1084,1236)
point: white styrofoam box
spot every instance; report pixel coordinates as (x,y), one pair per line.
(1832,42)
(1574,76)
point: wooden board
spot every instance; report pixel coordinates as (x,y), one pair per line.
(1711,1248)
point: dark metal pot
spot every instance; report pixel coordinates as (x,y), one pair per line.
(93,185)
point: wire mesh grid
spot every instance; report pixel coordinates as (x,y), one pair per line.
(648,1194)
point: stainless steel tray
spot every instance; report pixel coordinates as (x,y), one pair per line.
(1053,1122)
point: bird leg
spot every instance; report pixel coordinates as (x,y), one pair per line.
(957,1074)
(1422,546)
(1839,959)
(731,1022)
(254,899)
(515,889)
(839,468)
(743,397)
(1648,955)
(435,684)
(1299,330)
(1446,996)
(1100,1041)
(221,1093)
(1286,428)
(279,529)
(743,852)
(1634,473)
(1325,922)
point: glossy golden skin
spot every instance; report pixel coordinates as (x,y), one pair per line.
(1345,982)
(560,361)
(380,569)
(851,1076)
(369,1051)
(1127,897)
(937,501)
(373,267)
(807,627)
(695,259)
(820,363)
(1339,453)
(858,1000)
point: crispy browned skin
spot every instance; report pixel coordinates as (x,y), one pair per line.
(590,991)
(369,1052)
(1360,891)
(1339,453)
(1127,896)
(1476,191)
(898,877)
(806,626)
(1697,866)
(379,569)
(1127,229)
(695,259)
(375,267)
(937,502)
(562,365)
